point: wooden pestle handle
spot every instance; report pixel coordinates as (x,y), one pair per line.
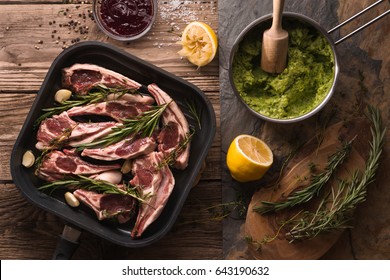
(275,42)
(277,15)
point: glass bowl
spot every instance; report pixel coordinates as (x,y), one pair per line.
(125,20)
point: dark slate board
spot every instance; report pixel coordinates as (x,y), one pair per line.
(364,78)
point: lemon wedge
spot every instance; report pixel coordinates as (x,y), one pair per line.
(248,158)
(199,43)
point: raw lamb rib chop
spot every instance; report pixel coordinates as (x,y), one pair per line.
(62,125)
(106,206)
(118,110)
(80,78)
(58,164)
(157,183)
(128,148)
(175,129)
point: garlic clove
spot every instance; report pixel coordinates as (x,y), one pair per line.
(28,159)
(71,199)
(62,95)
(113,177)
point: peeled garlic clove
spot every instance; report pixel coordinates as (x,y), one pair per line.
(62,95)
(71,199)
(113,96)
(113,177)
(28,159)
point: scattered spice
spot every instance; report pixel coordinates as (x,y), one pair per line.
(177,13)
(64,20)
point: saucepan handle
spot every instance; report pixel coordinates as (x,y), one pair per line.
(361,27)
(67,243)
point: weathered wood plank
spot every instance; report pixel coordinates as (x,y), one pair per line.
(33,2)
(31,40)
(13,111)
(27,232)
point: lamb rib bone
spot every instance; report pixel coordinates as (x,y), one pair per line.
(176,128)
(57,164)
(63,128)
(80,78)
(128,148)
(106,206)
(118,109)
(156,184)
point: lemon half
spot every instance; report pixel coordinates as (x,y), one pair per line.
(199,43)
(248,158)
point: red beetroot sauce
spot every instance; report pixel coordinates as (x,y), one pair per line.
(126,17)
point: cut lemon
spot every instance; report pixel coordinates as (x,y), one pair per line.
(199,43)
(248,158)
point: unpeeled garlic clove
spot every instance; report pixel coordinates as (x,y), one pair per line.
(71,199)
(62,95)
(28,159)
(126,166)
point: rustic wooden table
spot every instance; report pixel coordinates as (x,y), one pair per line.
(32,34)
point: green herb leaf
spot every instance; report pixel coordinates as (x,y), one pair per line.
(317,182)
(170,159)
(143,124)
(335,210)
(194,112)
(82,182)
(95,95)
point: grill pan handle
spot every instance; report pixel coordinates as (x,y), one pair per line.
(67,243)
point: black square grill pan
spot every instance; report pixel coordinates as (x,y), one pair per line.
(145,73)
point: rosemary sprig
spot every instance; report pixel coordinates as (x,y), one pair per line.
(194,112)
(325,218)
(82,182)
(224,210)
(144,124)
(316,184)
(95,95)
(267,239)
(170,159)
(335,211)
(218,213)
(55,143)
(234,209)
